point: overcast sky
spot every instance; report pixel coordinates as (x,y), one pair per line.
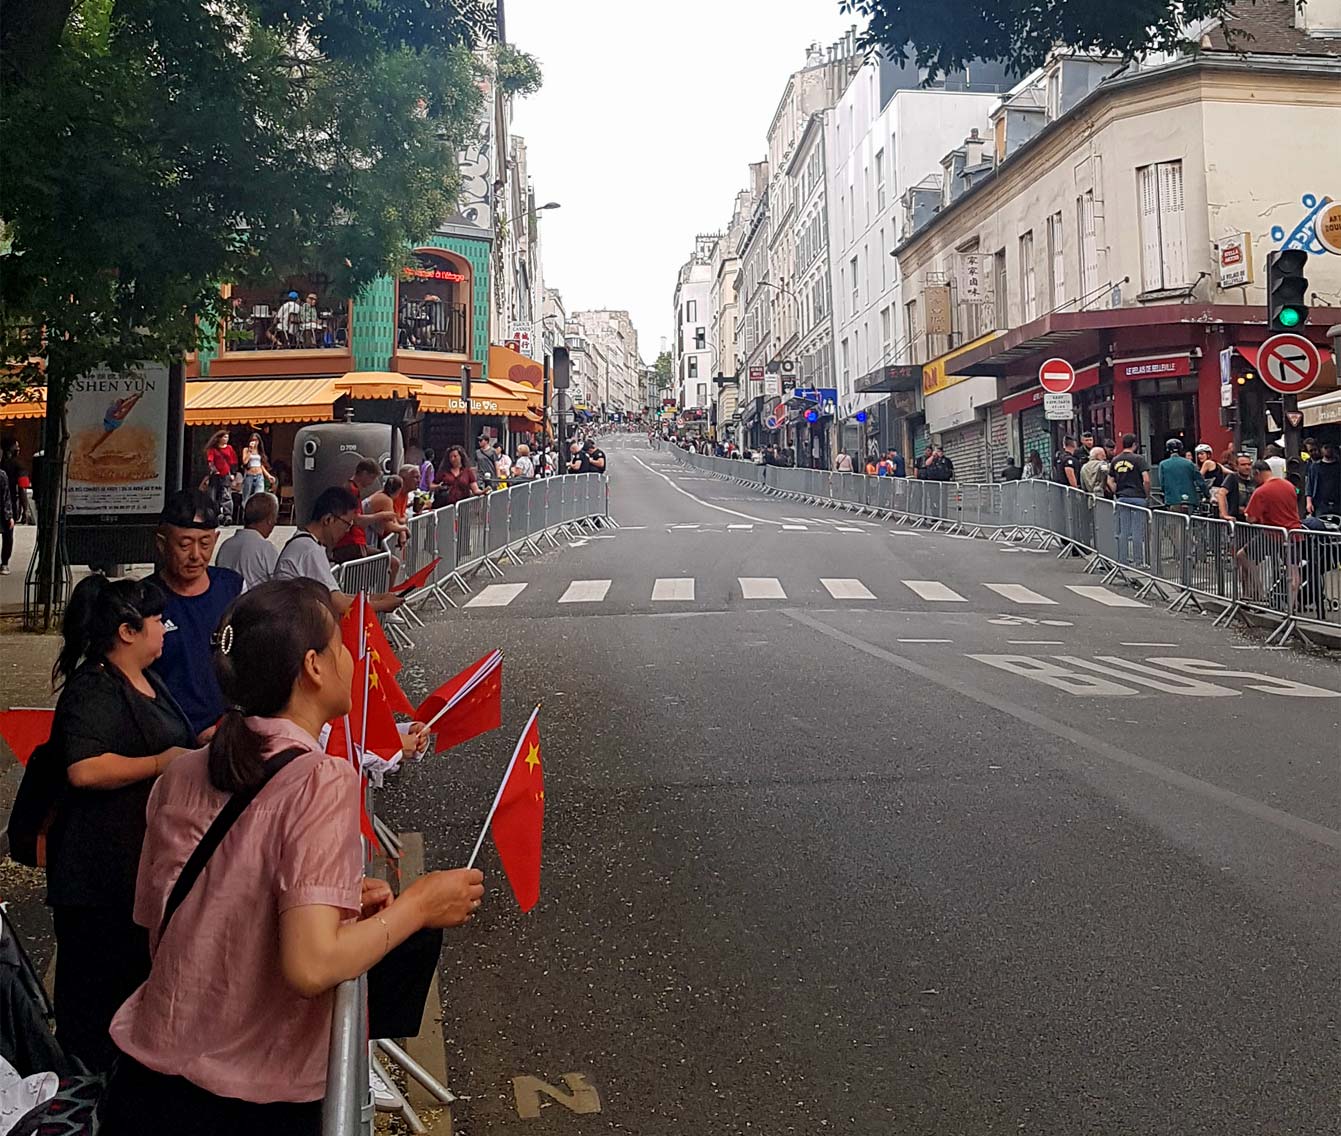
(644,129)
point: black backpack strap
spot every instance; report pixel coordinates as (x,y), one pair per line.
(214,835)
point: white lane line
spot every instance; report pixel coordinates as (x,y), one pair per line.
(739,528)
(847,589)
(795,528)
(1150,644)
(797,520)
(925,640)
(761,588)
(1103,596)
(632,528)
(497,595)
(903,532)
(1018,593)
(585,591)
(847,528)
(934,590)
(706,504)
(684,526)
(1035,642)
(673,588)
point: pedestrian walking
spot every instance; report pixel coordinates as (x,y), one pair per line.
(523,469)
(221,460)
(249,552)
(1235,488)
(427,473)
(197,595)
(116,728)
(1275,459)
(231,1031)
(1033,466)
(1012,471)
(255,468)
(843,462)
(457,480)
(485,469)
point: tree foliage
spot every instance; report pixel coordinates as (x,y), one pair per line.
(518,72)
(662,369)
(945,35)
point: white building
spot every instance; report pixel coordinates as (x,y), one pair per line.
(613,331)
(692,354)
(886,134)
(727,363)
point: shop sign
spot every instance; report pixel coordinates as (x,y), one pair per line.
(1234,261)
(477,406)
(1327,227)
(970,278)
(772,384)
(521,336)
(1058,407)
(756,387)
(1153,367)
(936,301)
(118,441)
(1227,376)
(938,374)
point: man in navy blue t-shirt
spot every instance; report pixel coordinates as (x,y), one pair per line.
(198,595)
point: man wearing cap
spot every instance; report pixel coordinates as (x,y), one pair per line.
(591,459)
(284,332)
(197,595)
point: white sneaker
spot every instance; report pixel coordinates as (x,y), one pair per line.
(4,569)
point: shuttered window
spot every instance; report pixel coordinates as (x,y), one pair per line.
(1089,250)
(1056,262)
(1163,230)
(1028,285)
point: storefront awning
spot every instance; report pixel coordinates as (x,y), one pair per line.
(1324,410)
(486,399)
(504,363)
(378,384)
(534,398)
(889,380)
(31,403)
(227,402)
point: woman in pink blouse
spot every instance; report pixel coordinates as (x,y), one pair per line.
(230,1032)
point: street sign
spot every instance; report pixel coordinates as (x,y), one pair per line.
(1289,363)
(1057,376)
(777,417)
(1294,419)
(1058,407)
(1327,227)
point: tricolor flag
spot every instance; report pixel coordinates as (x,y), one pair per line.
(24,728)
(517,818)
(467,705)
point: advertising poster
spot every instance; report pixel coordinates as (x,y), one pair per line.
(118,441)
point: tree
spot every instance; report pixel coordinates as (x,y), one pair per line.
(157,148)
(518,72)
(942,37)
(663,370)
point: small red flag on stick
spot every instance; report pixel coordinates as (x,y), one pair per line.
(517,817)
(466,705)
(24,728)
(418,580)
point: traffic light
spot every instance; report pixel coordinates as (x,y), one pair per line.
(1287,289)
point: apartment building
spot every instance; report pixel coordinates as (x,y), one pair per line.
(723,314)
(692,355)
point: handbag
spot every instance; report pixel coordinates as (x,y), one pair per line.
(34,805)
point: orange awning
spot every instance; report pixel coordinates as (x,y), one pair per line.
(31,403)
(486,399)
(378,384)
(229,401)
(504,363)
(533,397)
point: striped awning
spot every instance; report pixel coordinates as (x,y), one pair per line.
(486,399)
(227,402)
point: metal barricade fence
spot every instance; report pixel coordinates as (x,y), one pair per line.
(1320,569)
(1271,564)
(367,574)
(1210,568)
(444,532)
(470,528)
(1169,546)
(496,522)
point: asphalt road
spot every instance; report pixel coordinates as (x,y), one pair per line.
(868,857)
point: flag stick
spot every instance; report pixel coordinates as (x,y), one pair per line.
(367,682)
(501,786)
(363,624)
(475,680)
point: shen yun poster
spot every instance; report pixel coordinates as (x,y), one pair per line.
(118,441)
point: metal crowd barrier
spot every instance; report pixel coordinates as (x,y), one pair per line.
(1293,577)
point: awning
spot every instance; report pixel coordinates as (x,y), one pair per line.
(534,398)
(1324,410)
(378,384)
(230,401)
(526,423)
(504,363)
(888,380)
(31,403)
(486,398)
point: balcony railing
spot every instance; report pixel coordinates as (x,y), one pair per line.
(308,329)
(430,326)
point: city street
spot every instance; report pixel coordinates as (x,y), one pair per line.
(856,829)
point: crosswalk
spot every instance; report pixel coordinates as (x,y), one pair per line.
(685,589)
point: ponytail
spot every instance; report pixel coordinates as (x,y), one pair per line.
(97,610)
(259,652)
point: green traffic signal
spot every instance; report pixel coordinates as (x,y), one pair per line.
(1287,289)
(1289,317)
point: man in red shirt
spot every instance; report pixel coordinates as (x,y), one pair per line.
(1274,505)
(354,544)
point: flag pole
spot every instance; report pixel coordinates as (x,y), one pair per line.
(501,786)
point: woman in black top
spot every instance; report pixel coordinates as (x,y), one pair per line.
(117,728)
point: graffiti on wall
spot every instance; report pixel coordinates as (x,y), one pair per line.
(1303,236)
(475,198)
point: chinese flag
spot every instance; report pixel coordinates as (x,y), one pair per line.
(519,817)
(477,712)
(375,640)
(372,640)
(382,736)
(418,580)
(25,729)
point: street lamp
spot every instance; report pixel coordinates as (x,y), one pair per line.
(548,205)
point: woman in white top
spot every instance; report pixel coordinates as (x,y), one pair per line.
(253,467)
(523,469)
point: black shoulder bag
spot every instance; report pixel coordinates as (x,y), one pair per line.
(214,835)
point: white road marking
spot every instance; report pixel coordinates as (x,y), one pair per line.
(1036,642)
(934,591)
(673,588)
(585,591)
(1282,686)
(925,640)
(497,595)
(1050,674)
(707,505)
(739,528)
(631,528)
(684,526)
(795,528)
(761,588)
(903,532)
(1149,644)
(847,589)
(797,520)
(1018,593)
(1103,596)
(847,528)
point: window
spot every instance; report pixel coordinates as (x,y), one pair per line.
(1163,241)
(1056,262)
(690,311)
(880,181)
(847,365)
(1001,298)
(852,268)
(693,366)
(886,332)
(1054,94)
(298,315)
(702,395)
(884,261)
(431,304)
(700,339)
(856,351)
(1089,251)
(866,190)
(910,330)
(1028,285)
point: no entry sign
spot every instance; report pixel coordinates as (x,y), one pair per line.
(1289,363)
(1057,376)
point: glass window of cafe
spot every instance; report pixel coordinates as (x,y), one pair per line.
(296,313)
(433,304)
